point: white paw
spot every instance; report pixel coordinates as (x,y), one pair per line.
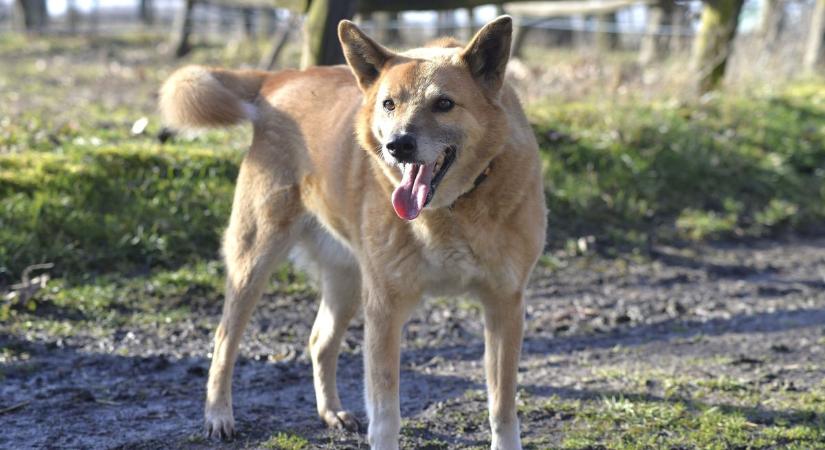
(509,441)
(219,424)
(383,439)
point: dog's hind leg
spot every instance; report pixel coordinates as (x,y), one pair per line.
(264,223)
(340,278)
(340,297)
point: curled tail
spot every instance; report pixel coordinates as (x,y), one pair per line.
(201,97)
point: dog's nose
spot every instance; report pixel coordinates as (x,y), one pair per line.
(402,146)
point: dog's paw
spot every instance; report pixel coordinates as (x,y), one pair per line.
(342,420)
(219,425)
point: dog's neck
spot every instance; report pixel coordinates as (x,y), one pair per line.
(479,179)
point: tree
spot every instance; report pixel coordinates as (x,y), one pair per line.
(146,11)
(713,42)
(321,46)
(183,28)
(386,26)
(816,35)
(771,20)
(34,14)
(656,40)
(607,38)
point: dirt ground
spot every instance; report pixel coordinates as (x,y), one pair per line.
(750,312)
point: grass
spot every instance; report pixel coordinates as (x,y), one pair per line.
(286,441)
(159,300)
(93,210)
(708,414)
(724,167)
(636,422)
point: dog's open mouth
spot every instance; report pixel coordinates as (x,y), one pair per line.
(418,184)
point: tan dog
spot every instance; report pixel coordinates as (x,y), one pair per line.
(418,176)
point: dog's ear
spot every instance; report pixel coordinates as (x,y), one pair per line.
(364,56)
(487,54)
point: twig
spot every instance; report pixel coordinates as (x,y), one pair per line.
(23,291)
(28,270)
(14,407)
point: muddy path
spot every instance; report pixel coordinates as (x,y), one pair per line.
(749,312)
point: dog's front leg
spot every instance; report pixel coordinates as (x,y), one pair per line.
(383,321)
(503,330)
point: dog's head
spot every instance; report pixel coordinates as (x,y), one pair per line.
(432,114)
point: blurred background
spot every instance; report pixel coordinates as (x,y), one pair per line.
(781,35)
(683,150)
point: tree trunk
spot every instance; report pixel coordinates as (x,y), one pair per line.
(816,35)
(321,46)
(520,35)
(386,28)
(248,18)
(394,30)
(446,23)
(147,12)
(279,40)
(771,20)
(607,38)
(270,21)
(713,42)
(656,41)
(94,17)
(680,27)
(72,16)
(34,14)
(469,30)
(183,29)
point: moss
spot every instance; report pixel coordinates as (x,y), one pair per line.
(113,209)
(286,441)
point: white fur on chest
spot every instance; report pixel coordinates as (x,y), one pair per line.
(449,267)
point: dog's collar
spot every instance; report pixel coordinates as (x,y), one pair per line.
(479,179)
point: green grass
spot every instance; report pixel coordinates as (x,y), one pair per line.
(160,299)
(727,166)
(286,441)
(631,421)
(126,209)
(639,422)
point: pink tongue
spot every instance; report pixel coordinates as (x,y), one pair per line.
(409,197)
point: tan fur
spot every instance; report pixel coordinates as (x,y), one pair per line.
(197,97)
(316,181)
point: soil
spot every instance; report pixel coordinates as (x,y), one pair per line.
(758,306)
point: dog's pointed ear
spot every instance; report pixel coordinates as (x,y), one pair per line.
(487,54)
(364,56)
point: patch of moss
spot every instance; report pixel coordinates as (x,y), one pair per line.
(286,441)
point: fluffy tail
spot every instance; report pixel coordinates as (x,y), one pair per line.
(201,97)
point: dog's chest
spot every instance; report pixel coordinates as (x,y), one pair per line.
(449,266)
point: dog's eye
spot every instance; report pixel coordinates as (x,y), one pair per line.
(389,105)
(444,104)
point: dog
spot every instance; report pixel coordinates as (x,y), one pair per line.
(397,176)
